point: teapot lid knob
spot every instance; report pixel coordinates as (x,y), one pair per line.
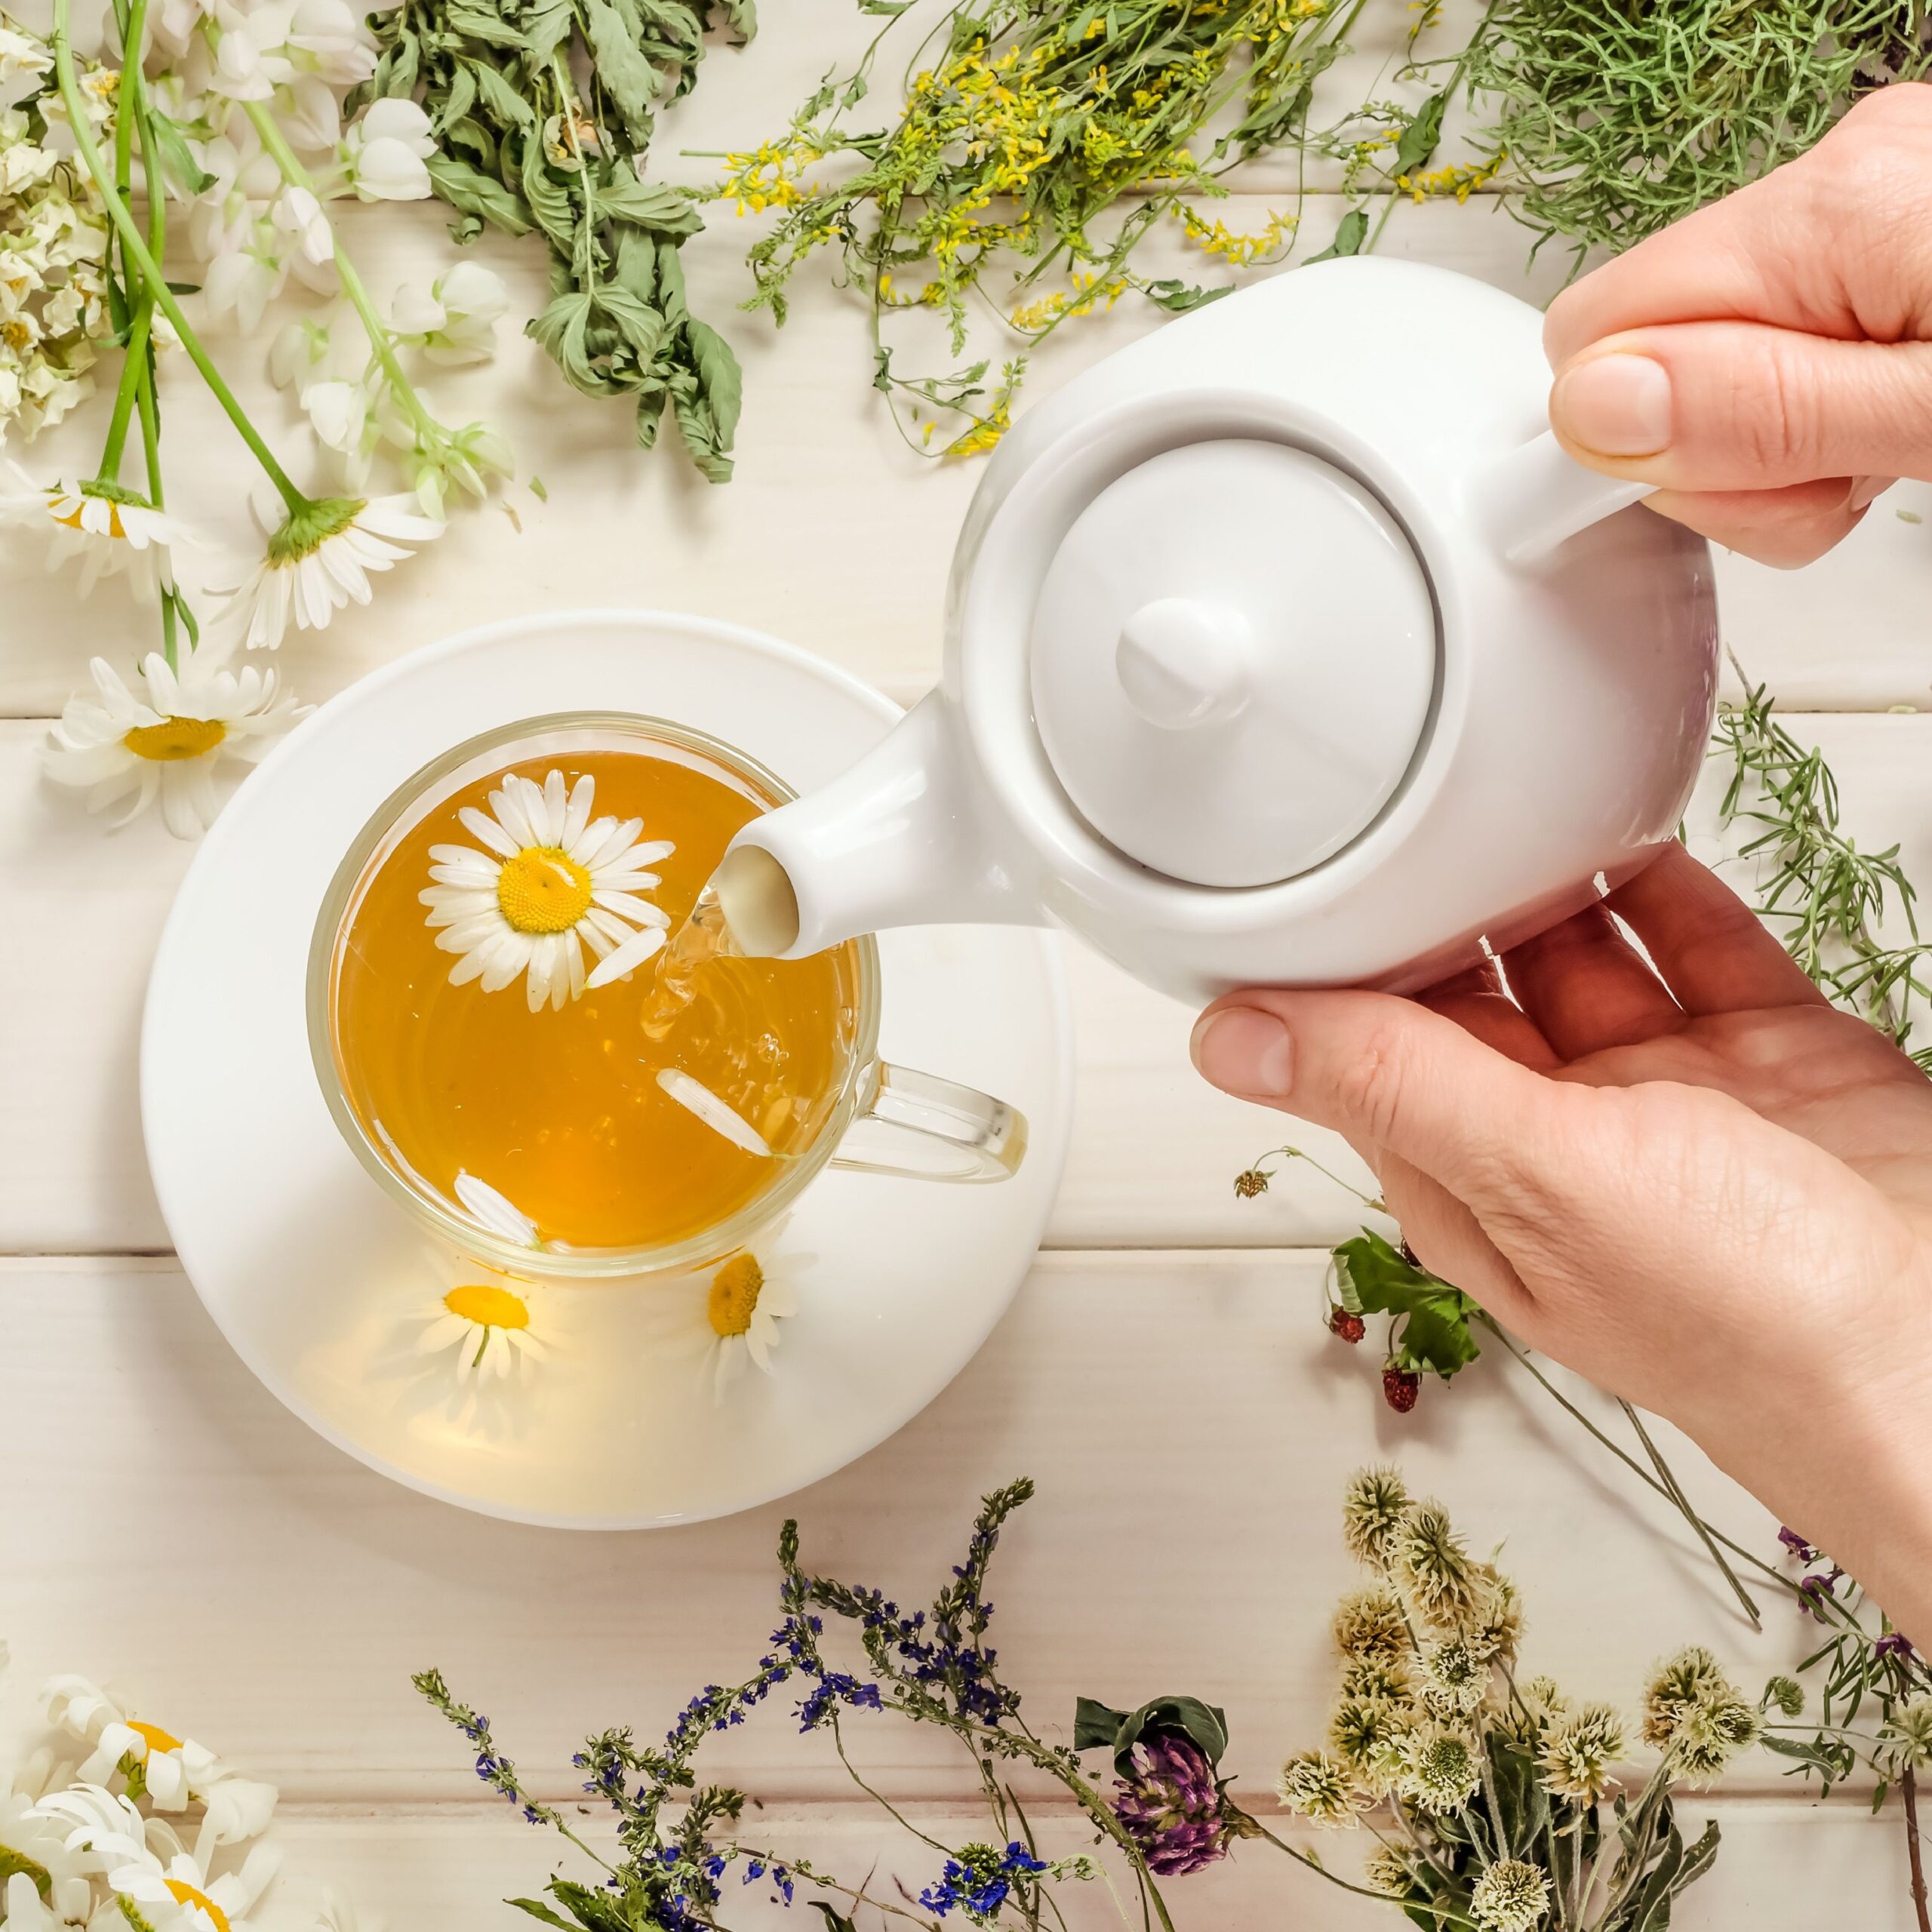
(1183,661)
(1233,655)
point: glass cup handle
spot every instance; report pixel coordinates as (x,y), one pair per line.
(948,1132)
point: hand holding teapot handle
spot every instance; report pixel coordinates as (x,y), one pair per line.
(1766,364)
(1673,1166)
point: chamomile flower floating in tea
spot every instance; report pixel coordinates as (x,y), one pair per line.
(729,1315)
(552,880)
(106,530)
(492,1209)
(713,1111)
(485,1319)
(162,736)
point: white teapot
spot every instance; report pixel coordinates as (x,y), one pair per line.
(1284,647)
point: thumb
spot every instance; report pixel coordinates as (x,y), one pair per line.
(1735,405)
(1388,1072)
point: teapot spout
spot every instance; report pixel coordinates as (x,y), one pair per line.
(897,840)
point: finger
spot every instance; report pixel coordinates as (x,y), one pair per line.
(1449,1242)
(1831,243)
(1475,1000)
(1706,944)
(1785,529)
(1743,406)
(1586,988)
(1387,1070)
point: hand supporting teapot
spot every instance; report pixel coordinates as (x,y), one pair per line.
(1284,647)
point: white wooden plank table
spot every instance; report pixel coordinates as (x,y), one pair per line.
(1164,1376)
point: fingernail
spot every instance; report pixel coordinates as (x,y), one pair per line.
(1617,404)
(1242,1050)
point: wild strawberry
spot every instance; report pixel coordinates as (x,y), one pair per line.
(1351,1328)
(1400,1388)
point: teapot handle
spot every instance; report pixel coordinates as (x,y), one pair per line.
(1539,496)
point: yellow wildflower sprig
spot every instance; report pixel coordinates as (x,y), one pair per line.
(1038,143)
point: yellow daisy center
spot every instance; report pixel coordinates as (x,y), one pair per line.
(543,889)
(184,1893)
(487,1307)
(175,738)
(735,1289)
(72,520)
(153,1737)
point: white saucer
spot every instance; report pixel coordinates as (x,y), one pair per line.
(322,1283)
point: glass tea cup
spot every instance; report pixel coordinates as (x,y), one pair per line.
(875,1118)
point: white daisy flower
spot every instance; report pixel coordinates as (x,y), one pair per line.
(163,736)
(34,1854)
(106,530)
(482,1321)
(177,1893)
(321,559)
(552,880)
(729,1315)
(173,1772)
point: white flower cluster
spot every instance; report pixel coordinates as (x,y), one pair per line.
(52,239)
(251,228)
(116,1821)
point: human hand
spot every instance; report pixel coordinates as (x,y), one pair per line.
(1701,1186)
(1768,360)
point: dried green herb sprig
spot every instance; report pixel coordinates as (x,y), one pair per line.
(1619,119)
(545,111)
(1829,897)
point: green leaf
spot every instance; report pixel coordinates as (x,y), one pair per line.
(835,1921)
(1432,1330)
(475,24)
(1348,237)
(654,205)
(456,104)
(718,375)
(631,82)
(479,194)
(1422,136)
(555,214)
(637,322)
(497,94)
(1177,297)
(562,328)
(1099,1727)
(537,1908)
(177,163)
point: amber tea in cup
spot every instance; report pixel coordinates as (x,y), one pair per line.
(654,1120)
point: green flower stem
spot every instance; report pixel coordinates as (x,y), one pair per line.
(296,176)
(1689,1515)
(155,281)
(1441,1913)
(135,316)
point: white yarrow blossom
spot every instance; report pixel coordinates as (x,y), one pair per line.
(550,881)
(107,531)
(162,736)
(383,154)
(321,559)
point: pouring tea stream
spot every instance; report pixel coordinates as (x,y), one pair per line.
(1278,652)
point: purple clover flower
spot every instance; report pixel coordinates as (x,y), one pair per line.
(1171,1806)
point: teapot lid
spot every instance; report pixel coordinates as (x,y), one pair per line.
(1233,655)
